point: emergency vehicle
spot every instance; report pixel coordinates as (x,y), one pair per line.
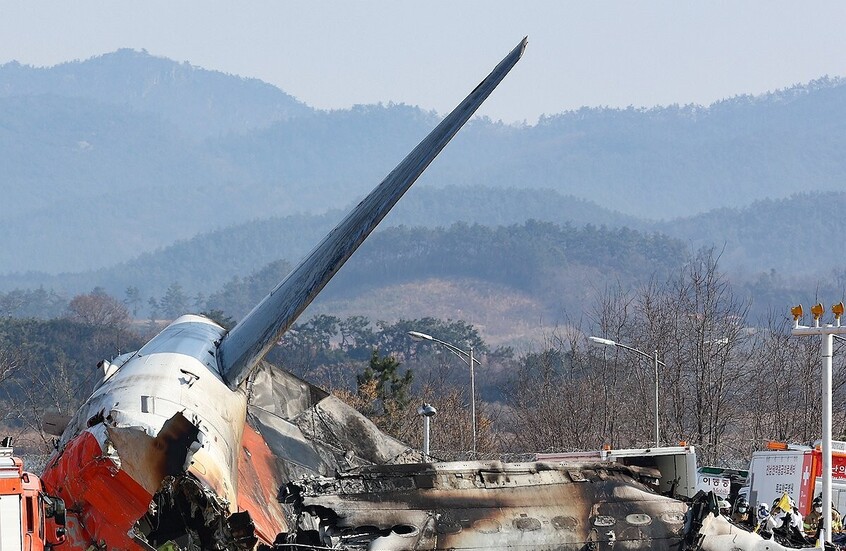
(796,470)
(30,520)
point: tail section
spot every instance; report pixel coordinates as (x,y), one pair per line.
(247,343)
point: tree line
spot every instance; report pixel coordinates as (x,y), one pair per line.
(532,257)
(726,383)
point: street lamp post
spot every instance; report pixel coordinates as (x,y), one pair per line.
(654,357)
(467,357)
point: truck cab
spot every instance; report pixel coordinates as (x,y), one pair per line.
(30,520)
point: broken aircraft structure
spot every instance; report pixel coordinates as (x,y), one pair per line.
(159,453)
(193,442)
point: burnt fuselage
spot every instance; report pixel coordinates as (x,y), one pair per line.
(490,505)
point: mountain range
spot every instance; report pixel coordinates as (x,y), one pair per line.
(129,169)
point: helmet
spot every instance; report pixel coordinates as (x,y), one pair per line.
(725,506)
(741,505)
(763,511)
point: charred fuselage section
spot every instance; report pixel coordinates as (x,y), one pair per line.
(484,505)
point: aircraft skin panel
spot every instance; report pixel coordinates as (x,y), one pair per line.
(88,479)
(258,486)
(249,341)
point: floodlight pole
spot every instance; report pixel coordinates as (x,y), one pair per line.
(826,333)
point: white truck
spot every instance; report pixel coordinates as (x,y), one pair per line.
(677,464)
(796,470)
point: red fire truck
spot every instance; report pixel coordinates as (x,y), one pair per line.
(30,520)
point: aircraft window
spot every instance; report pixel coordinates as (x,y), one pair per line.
(639,519)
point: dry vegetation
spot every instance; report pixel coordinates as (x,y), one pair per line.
(503,315)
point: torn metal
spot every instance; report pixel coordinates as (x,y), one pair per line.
(184,514)
(311,432)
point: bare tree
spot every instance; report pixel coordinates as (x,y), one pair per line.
(708,346)
(45,389)
(10,361)
(617,374)
(99,309)
(573,397)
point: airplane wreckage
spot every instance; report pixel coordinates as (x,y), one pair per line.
(193,442)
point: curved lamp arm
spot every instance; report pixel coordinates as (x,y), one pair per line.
(598,341)
(463,354)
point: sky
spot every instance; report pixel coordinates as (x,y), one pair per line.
(334,55)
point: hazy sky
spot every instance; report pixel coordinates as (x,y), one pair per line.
(431,53)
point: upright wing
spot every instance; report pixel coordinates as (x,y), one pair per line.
(247,343)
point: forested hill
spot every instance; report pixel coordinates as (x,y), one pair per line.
(800,237)
(200,103)
(206,261)
(554,264)
(543,260)
(119,155)
(678,161)
(793,238)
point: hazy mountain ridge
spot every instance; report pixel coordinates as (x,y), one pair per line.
(104,173)
(684,160)
(787,237)
(200,102)
(796,237)
(204,262)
